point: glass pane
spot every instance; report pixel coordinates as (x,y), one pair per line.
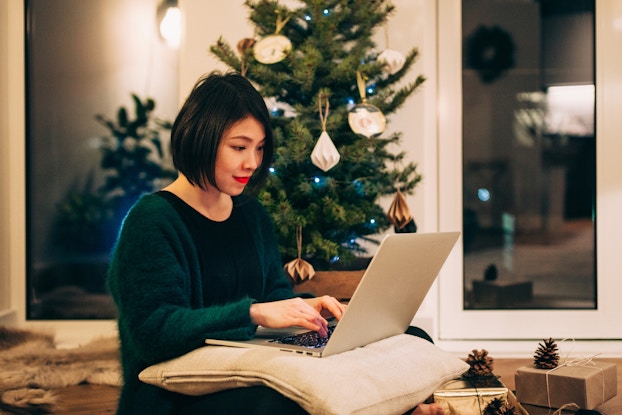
(529,154)
(87,58)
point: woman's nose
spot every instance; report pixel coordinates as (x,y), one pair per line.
(252,161)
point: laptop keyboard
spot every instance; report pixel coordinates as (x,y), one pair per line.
(308,339)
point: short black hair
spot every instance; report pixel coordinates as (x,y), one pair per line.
(217,101)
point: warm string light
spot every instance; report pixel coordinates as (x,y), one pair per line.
(169,22)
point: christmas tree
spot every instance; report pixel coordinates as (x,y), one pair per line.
(319,68)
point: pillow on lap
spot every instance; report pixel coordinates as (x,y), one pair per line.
(390,376)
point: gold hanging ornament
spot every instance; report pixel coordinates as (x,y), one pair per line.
(400,215)
(324,155)
(273,48)
(299,269)
(244,45)
(366,119)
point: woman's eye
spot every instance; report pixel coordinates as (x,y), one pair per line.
(239,148)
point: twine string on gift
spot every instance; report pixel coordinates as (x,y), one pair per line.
(571,405)
(584,362)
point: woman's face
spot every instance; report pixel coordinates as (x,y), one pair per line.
(240,153)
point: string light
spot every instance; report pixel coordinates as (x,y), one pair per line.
(169,22)
(483,194)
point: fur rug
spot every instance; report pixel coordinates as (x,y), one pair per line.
(31,368)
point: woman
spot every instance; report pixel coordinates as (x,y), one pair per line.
(199,259)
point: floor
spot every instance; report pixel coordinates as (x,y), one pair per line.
(94,400)
(560,268)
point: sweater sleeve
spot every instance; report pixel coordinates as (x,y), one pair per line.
(155,280)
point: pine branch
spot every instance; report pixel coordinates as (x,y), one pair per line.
(225,53)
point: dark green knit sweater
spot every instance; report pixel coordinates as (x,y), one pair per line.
(155,280)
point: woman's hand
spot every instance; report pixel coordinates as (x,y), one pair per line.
(305,313)
(327,306)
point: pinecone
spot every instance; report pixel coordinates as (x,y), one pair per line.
(481,364)
(546,356)
(494,406)
(499,406)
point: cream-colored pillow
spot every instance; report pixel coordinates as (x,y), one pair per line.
(386,377)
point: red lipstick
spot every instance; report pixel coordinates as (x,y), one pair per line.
(242,180)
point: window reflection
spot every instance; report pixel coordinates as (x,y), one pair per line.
(87,58)
(529,154)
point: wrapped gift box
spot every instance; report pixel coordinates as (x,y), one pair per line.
(461,397)
(587,385)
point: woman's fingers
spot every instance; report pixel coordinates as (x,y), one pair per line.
(326,302)
(286,313)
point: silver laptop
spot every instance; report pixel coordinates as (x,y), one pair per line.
(383,305)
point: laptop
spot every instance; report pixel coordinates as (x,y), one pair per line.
(386,300)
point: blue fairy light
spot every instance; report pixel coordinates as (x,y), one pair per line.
(372,221)
(359,187)
(272,170)
(326,12)
(334,259)
(319,181)
(483,194)
(308,17)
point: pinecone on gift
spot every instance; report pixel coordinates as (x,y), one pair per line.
(494,407)
(499,407)
(480,363)
(547,355)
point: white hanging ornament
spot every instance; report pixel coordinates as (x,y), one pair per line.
(324,155)
(273,48)
(366,119)
(393,61)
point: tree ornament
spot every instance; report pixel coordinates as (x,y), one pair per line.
(273,48)
(324,155)
(365,119)
(480,363)
(547,355)
(393,61)
(244,45)
(299,269)
(400,216)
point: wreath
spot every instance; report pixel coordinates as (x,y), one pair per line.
(490,51)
